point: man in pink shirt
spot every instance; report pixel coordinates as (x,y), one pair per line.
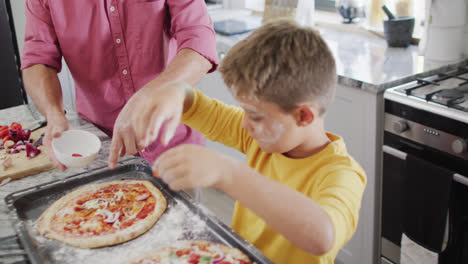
(118,51)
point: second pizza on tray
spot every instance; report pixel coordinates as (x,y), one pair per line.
(193,252)
(99,215)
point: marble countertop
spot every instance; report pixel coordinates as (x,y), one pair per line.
(10,251)
(364,60)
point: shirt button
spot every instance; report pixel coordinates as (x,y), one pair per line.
(112,9)
(124,72)
(117,41)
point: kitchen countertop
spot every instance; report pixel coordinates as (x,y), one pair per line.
(10,252)
(364,60)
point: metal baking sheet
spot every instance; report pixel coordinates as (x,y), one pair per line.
(183,219)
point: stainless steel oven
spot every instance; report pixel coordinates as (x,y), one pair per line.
(424,124)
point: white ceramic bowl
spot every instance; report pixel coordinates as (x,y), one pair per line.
(73,142)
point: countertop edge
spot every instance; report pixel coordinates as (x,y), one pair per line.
(380,88)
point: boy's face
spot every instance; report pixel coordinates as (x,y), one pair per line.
(274,130)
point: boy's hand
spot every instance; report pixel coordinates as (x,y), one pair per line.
(190,166)
(139,122)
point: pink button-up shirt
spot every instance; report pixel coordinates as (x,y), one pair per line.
(114,47)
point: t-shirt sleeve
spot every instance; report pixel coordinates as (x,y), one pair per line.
(340,195)
(218,122)
(192,27)
(40,40)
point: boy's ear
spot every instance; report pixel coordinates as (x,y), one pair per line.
(304,115)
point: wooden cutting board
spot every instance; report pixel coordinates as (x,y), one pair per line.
(22,165)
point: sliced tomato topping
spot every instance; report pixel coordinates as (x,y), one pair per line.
(194,258)
(146,210)
(77,222)
(184,251)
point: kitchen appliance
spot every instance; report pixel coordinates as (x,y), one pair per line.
(426,120)
(12,92)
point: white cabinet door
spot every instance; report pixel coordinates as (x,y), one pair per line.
(357,116)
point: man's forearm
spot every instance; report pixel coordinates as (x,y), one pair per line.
(43,86)
(297,217)
(187,66)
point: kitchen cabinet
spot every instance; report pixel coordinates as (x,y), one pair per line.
(357,116)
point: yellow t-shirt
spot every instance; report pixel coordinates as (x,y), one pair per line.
(331,177)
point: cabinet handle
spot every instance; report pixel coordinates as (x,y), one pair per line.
(394,152)
(402,155)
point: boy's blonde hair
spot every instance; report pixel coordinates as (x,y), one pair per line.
(282,63)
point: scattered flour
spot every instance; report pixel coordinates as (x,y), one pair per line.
(177,223)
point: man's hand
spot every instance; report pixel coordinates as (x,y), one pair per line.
(139,122)
(56,124)
(189,166)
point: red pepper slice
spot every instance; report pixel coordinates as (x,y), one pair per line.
(3,132)
(16,126)
(76,155)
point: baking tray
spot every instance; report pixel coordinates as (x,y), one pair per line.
(184,218)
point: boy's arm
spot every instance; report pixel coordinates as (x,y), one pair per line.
(166,105)
(296,216)
(321,223)
(216,120)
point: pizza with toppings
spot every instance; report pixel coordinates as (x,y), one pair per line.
(99,215)
(194,252)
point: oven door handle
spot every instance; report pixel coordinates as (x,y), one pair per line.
(402,155)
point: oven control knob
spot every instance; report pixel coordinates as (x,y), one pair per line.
(459,146)
(400,126)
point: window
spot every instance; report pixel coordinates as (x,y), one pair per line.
(326,5)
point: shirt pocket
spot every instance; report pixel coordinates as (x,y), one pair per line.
(147,22)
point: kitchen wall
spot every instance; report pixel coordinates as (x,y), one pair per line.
(66,80)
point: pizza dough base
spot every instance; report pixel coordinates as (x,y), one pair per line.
(131,232)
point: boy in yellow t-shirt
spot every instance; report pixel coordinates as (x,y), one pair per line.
(298,197)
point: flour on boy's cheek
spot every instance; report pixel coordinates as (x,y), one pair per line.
(270,133)
(263,128)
